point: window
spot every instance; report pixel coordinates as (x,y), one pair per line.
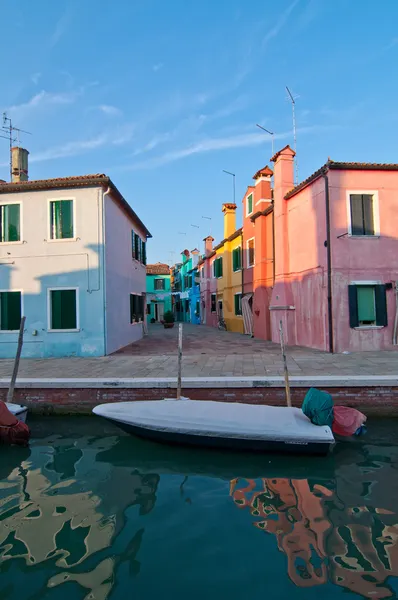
(63,309)
(367,305)
(237,259)
(249,204)
(197,309)
(202,272)
(187,307)
(10,311)
(61,219)
(138,248)
(136,308)
(213,303)
(250,252)
(362,214)
(148,309)
(238,304)
(159,284)
(10,228)
(217,267)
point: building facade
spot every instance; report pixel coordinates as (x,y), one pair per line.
(72,257)
(158,291)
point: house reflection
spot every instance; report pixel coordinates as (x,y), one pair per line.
(68,510)
(331,531)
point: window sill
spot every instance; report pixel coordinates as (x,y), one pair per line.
(57,240)
(366,327)
(9,331)
(63,330)
(364,237)
(11,243)
(237,271)
(137,323)
(249,266)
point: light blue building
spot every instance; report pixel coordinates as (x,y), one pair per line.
(72,258)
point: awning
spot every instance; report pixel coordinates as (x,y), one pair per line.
(247,314)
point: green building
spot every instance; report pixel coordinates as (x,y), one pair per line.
(158,291)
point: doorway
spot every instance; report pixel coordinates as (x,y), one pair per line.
(159,311)
(220,310)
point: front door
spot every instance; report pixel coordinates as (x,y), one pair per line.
(220,311)
(160,311)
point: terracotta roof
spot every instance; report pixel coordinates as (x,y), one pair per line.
(228,206)
(340,166)
(262,213)
(158,269)
(79,181)
(265,172)
(234,235)
(287,147)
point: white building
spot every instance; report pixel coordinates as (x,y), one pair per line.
(72,260)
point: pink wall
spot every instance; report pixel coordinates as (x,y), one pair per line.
(359,259)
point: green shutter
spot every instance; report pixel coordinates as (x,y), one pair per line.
(250,204)
(136,250)
(220,267)
(13,233)
(10,311)
(63,309)
(234,256)
(366,304)
(381,305)
(144,253)
(61,219)
(236,304)
(132,244)
(353,305)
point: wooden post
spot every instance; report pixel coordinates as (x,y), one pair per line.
(10,393)
(287,385)
(179,361)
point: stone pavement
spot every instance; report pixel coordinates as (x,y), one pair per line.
(207,352)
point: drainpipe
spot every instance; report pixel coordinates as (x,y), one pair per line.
(329,261)
(103,267)
(241,266)
(273,248)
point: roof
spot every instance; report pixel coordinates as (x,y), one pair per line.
(340,166)
(79,181)
(287,147)
(265,172)
(158,269)
(233,235)
(263,213)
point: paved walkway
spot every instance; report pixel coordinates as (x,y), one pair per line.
(207,353)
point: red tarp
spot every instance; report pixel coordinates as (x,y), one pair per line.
(12,431)
(347,420)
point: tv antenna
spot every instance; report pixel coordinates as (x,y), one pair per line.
(11,133)
(293,101)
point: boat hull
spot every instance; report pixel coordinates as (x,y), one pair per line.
(212,424)
(19,411)
(237,444)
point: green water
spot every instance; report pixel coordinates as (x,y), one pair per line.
(89,512)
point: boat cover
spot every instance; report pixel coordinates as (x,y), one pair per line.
(218,419)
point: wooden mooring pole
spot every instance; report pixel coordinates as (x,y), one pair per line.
(179,361)
(10,393)
(287,384)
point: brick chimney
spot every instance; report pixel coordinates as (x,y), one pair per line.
(19,163)
(262,193)
(229,210)
(208,245)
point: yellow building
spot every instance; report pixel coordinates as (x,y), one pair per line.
(227,269)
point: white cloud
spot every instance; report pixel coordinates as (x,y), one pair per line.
(69,149)
(44,99)
(157,67)
(214,144)
(280,23)
(108,109)
(60,29)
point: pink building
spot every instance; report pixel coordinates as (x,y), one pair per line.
(336,255)
(208,286)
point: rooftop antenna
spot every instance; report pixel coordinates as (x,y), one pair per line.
(209,219)
(293,101)
(271,133)
(10,133)
(233,182)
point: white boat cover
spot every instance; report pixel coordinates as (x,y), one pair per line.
(218,419)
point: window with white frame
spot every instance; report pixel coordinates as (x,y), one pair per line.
(367,304)
(363,214)
(136,308)
(250,252)
(10,311)
(63,307)
(10,223)
(61,219)
(249,204)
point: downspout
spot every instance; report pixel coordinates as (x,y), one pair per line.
(273,248)
(104,267)
(329,262)
(241,266)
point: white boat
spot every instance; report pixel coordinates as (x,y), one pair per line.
(220,424)
(18,410)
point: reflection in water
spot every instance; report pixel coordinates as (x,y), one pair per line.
(89,512)
(344,530)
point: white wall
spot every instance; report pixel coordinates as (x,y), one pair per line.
(123,277)
(36,264)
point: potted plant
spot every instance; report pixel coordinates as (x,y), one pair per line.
(168,319)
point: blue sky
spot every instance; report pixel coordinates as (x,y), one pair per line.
(162,96)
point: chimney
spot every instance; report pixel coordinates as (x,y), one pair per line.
(19,163)
(263,186)
(208,245)
(229,210)
(195,257)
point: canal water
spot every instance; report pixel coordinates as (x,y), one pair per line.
(89,512)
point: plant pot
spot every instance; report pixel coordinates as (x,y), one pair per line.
(168,325)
